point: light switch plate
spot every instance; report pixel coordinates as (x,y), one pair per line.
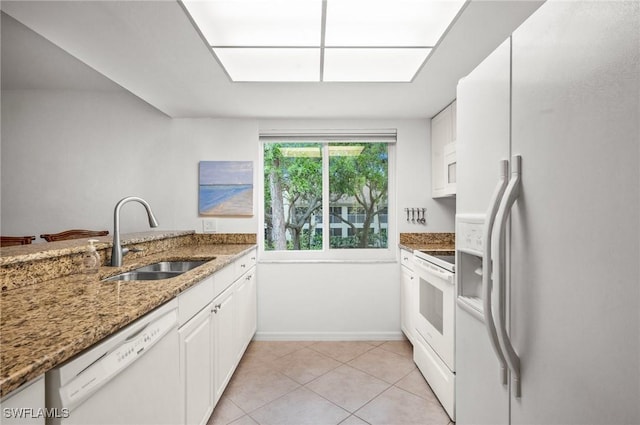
(209,225)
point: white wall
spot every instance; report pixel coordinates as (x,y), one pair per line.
(312,301)
(69,156)
(206,139)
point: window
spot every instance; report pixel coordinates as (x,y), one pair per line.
(325,195)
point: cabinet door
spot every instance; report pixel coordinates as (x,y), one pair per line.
(440,136)
(246,302)
(225,348)
(252,313)
(454,121)
(196,367)
(407,299)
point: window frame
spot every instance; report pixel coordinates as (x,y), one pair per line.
(327,254)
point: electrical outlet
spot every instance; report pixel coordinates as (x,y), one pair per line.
(209,226)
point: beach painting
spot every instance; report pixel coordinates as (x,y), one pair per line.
(225,188)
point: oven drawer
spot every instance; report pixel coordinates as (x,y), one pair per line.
(441,380)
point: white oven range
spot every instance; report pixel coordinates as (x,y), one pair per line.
(435,325)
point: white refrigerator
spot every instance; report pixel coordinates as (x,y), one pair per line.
(548,256)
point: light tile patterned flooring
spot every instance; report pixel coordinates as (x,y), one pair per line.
(328,383)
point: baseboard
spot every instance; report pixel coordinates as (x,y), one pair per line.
(329,336)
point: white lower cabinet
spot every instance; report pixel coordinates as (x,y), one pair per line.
(235,322)
(213,341)
(196,367)
(224,327)
(408,295)
(247,310)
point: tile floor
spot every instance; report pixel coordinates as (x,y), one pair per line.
(328,383)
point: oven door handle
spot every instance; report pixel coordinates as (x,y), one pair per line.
(435,271)
(487,284)
(511,194)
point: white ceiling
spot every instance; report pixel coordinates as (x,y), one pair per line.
(152,49)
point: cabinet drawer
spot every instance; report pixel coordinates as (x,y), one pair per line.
(224,278)
(245,262)
(194,299)
(406,258)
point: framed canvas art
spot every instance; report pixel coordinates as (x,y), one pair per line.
(225,188)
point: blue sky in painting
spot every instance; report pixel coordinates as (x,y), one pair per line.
(226,172)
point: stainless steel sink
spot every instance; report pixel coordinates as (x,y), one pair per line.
(157,271)
(171,266)
(142,275)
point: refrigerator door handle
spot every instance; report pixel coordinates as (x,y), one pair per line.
(487,285)
(511,194)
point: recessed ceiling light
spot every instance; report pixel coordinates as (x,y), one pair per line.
(373,65)
(270,23)
(376,23)
(270,64)
(322,40)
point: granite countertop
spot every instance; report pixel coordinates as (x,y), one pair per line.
(429,243)
(23,253)
(45,323)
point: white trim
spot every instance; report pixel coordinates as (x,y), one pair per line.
(329,336)
(326,219)
(384,135)
(321,261)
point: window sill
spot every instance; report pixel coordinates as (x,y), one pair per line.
(274,261)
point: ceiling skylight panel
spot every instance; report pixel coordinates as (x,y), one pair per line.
(258,22)
(406,23)
(373,65)
(270,64)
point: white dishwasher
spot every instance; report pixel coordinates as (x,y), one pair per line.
(132,377)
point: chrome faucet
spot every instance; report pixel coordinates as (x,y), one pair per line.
(117,252)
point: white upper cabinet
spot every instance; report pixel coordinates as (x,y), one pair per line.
(443,153)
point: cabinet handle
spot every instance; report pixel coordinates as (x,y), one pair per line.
(248,277)
(243,265)
(253,258)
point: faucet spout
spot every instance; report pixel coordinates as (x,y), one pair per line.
(117,252)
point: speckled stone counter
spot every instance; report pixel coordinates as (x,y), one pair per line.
(46,322)
(430,243)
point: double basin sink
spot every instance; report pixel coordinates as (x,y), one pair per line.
(157,271)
